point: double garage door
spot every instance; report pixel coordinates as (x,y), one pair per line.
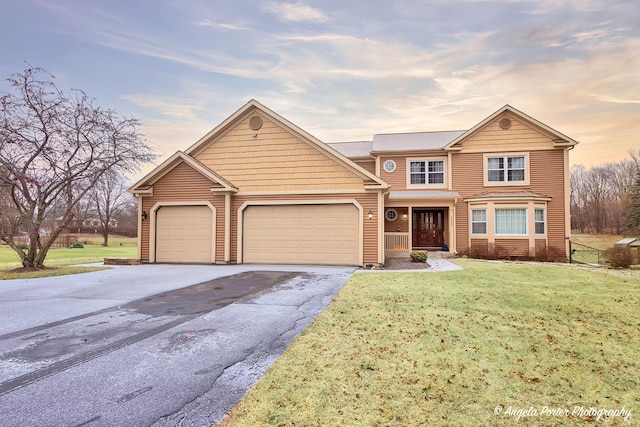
(302,234)
(278,234)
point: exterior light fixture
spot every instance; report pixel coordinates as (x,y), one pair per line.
(404,216)
(143,215)
(370,214)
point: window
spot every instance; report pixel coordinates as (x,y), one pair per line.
(506,169)
(427,172)
(389,166)
(539,221)
(478,221)
(391,214)
(511,222)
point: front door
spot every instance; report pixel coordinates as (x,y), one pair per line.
(428,228)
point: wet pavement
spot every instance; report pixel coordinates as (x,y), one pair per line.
(181,356)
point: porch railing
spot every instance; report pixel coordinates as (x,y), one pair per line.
(396,244)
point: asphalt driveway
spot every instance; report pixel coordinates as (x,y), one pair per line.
(151,345)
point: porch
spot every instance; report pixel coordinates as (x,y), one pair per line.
(416,228)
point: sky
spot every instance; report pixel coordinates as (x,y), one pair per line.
(343,70)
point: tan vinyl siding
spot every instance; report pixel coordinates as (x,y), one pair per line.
(273,159)
(398,178)
(401,224)
(547,177)
(369,165)
(520,136)
(183,183)
(367,201)
(507,248)
(479,247)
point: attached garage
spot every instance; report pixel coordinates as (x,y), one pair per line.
(302,234)
(184,234)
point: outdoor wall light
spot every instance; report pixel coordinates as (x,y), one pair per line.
(404,216)
(143,215)
(370,214)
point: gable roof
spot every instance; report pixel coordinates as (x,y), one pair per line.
(161,170)
(559,140)
(326,149)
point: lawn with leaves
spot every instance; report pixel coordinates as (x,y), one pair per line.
(61,261)
(446,349)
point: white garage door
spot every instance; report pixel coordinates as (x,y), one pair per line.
(302,234)
(184,234)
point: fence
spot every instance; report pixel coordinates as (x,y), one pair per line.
(583,254)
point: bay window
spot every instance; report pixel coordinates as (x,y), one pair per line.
(511,222)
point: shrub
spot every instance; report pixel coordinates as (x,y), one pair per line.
(419,256)
(77,245)
(619,257)
(22,246)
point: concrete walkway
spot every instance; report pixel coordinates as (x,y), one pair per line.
(437,263)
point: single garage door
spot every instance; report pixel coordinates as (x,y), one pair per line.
(184,234)
(302,234)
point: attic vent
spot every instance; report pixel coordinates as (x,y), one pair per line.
(255,122)
(505,123)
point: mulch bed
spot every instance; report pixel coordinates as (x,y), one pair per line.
(404,264)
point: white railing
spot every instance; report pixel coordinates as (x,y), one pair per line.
(396,244)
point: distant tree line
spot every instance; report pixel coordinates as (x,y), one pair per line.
(606,198)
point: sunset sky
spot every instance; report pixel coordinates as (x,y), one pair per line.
(343,70)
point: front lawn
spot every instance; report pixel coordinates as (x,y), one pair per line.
(455,348)
(62,260)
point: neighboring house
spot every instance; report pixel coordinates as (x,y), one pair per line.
(258,189)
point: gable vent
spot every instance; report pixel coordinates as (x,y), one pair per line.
(505,123)
(255,122)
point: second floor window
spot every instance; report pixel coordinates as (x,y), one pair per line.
(506,169)
(427,172)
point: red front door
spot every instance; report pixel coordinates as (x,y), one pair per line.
(428,228)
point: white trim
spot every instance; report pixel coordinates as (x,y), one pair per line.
(517,113)
(393,169)
(486,221)
(301,192)
(445,166)
(248,203)
(381,253)
(485,169)
(527,228)
(139,221)
(171,163)
(387,210)
(227,227)
(216,133)
(567,205)
(152,225)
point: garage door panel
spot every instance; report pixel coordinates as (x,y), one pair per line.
(302,234)
(184,234)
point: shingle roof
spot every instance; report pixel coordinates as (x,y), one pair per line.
(352,149)
(414,140)
(423,194)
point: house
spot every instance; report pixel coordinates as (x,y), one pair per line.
(259,189)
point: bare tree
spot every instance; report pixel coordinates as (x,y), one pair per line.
(110,199)
(53,149)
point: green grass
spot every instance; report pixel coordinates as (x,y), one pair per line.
(61,260)
(445,349)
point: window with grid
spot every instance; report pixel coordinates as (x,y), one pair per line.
(506,169)
(426,172)
(478,221)
(511,222)
(539,221)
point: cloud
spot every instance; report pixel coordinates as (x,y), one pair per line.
(296,12)
(222,25)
